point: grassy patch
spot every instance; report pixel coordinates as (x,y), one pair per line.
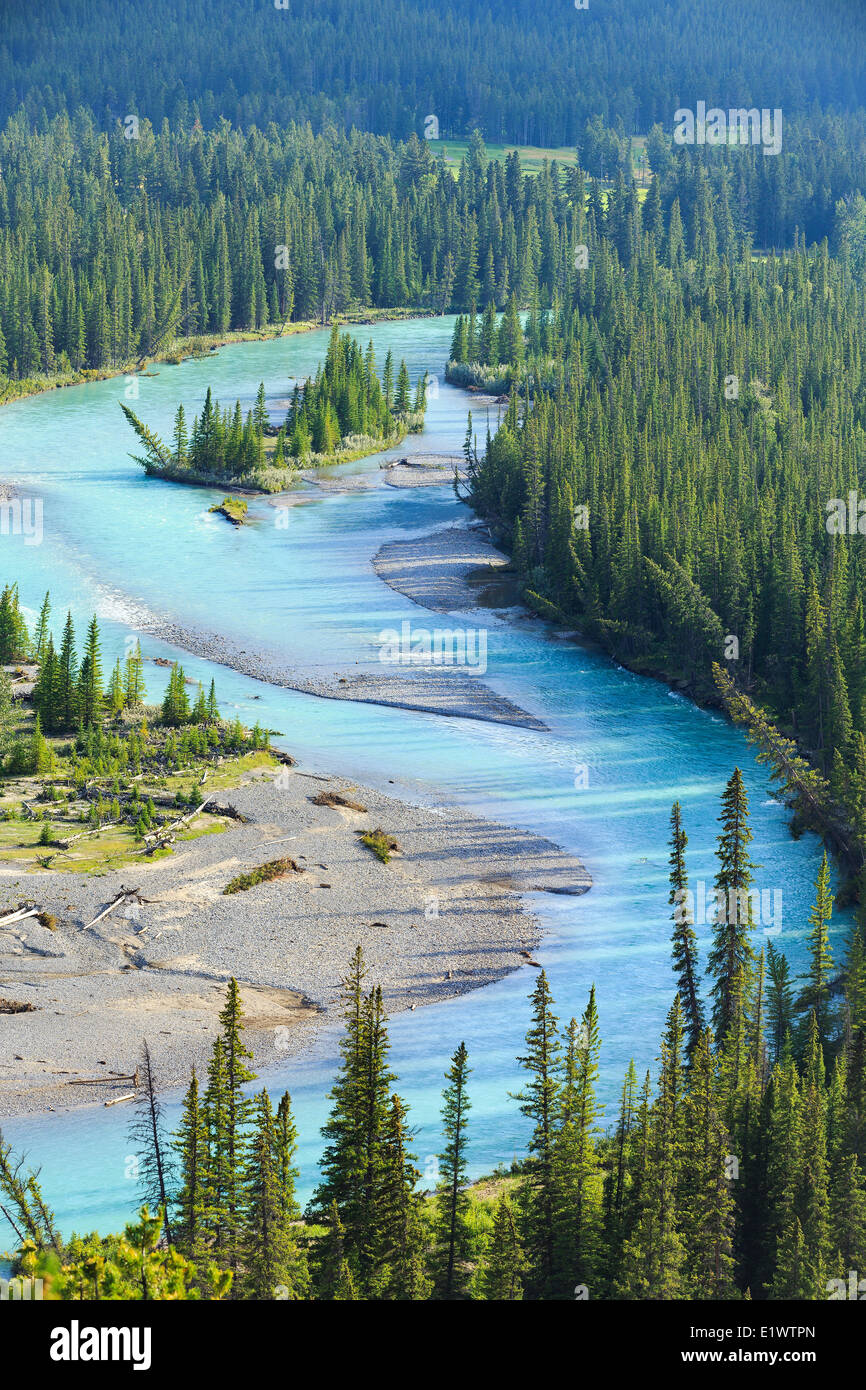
(275,868)
(234,509)
(382,845)
(29,804)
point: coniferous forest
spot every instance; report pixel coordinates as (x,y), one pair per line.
(661,350)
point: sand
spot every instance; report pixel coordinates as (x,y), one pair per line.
(443,917)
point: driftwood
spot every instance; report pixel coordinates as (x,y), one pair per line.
(111,1080)
(124,896)
(19,915)
(165,829)
(336,799)
(11,1006)
(118,1099)
(65,841)
(163,835)
(231,812)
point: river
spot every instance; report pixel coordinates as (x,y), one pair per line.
(115,542)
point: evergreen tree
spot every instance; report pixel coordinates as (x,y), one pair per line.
(504,1263)
(89,700)
(272,1267)
(190,1146)
(539,1101)
(576,1168)
(452,1203)
(731,953)
(816,995)
(683,940)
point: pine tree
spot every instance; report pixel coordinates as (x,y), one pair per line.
(706,1195)
(780,1001)
(364,1219)
(67,701)
(340,1164)
(90,678)
(539,1101)
(190,1146)
(401,1272)
(683,940)
(816,995)
(576,1168)
(175,704)
(731,952)
(619,1179)
(42,633)
(41,758)
(47,688)
(452,1202)
(232,1109)
(270,1256)
(334,1279)
(217,1180)
(114,695)
(504,1263)
(133,691)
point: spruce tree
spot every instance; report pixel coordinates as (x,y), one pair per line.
(333,1278)
(731,954)
(90,678)
(683,941)
(504,1264)
(67,703)
(576,1167)
(146,1133)
(706,1183)
(42,632)
(816,995)
(340,1164)
(539,1101)
(237,1112)
(401,1272)
(190,1146)
(270,1259)
(452,1202)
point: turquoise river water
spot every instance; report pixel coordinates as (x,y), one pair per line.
(115,542)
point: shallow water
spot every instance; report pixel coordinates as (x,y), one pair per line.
(619,750)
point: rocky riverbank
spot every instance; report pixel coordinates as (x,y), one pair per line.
(442,917)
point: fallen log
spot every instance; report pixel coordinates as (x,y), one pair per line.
(125,895)
(19,915)
(102,1080)
(118,1099)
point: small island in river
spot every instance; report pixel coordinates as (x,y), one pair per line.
(345,412)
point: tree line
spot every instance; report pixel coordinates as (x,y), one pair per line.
(111,249)
(520,72)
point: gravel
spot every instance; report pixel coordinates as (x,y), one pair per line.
(443,917)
